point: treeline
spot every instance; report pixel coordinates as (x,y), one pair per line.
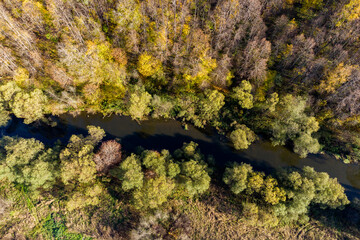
(81,177)
(222,63)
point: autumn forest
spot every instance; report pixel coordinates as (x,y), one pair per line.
(282,70)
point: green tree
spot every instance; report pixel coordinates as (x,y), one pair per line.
(78,170)
(139,104)
(194,177)
(154,192)
(237,177)
(155,161)
(209,107)
(292,123)
(162,107)
(273,194)
(328,191)
(27,162)
(242,178)
(243,94)
(30,106)
(305,188)
(4,115)
(242,137)
(130,173)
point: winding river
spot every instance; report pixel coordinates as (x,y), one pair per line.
(169,134)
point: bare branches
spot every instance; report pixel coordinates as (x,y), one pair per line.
(108,155)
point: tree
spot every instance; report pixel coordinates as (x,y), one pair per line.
(328,191)
(254,62)
(130,173)
(194,177)
(139,104)
(305,144)
(155,161)
(148,66)
(292,123)
(243,95)
(335,78)
(242,137)
(349,13)
(209,107)
(154,192)
(271,193)
(28,163)
(242,178)
(305,188)
(108,155)
(4,114)
(78,170)
(162,107)
(236,177)
(30,106)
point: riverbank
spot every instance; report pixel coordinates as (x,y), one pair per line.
(170,134)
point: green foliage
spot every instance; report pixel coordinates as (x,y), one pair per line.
(242,137)
(4,116)
(202,111)
(77,165)
(154,192)
(292,123)
(130,173)
(328,191)
(194,177)
(139,104)
(242,178)
(271,102)
(236,177)
(152,177)
(243,95)
(305,188)
(28,163)
(209,107)
(162,107)
(30,106)
(78,170)
(53,227)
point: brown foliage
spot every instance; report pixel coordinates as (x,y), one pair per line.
(108,155)
(119,55)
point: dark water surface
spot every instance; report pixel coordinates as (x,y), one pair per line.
(169,134)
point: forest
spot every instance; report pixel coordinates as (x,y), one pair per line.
(283,70)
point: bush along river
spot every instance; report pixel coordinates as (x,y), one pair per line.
(170,134)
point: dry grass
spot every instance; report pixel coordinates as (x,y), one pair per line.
(216,216)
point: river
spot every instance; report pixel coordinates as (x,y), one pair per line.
(170,134)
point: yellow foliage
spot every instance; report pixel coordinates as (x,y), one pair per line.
(335,78)
(186,30)
(288,51)
(21,77)
(311,3)
(206,66)
(350,12)
(148,65)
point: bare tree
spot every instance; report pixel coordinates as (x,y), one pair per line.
(108,155)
